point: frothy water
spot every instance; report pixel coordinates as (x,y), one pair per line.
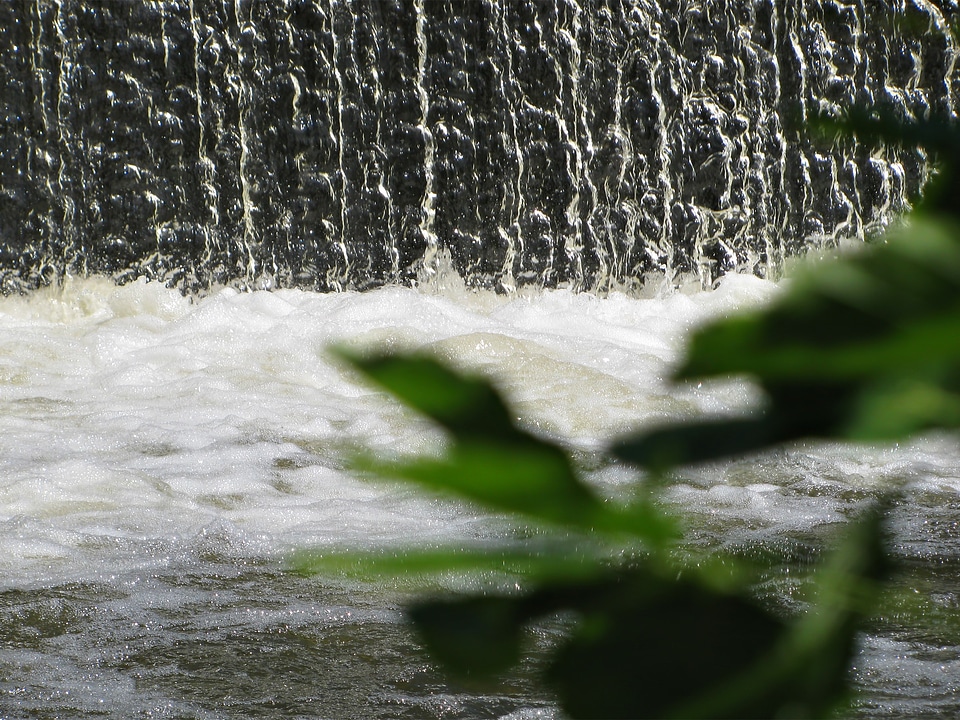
(160,455)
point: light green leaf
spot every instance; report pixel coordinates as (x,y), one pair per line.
(548,561)
(466,406)
(893,308)
(533,480)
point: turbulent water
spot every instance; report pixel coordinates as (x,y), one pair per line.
(161,455)
(328,145)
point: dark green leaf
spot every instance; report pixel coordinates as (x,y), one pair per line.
(474,636)
(667,447)
(891,309)
(481,634)
(866,348)
(902,406)
(533,479)
(795,410)
(648,645)
(807,672)
(637,657)
(938,135)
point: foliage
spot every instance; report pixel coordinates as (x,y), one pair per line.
(866,348)
(646,643)
(862,348)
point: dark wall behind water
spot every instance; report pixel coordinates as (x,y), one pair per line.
(345,144)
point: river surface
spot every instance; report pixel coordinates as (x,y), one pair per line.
(161,456)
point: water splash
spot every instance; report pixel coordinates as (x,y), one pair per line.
(589,144)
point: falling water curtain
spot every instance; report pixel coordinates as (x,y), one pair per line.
(328,145)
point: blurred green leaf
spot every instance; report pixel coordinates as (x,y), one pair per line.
(637,655)
(491,460)
(937,134)
(864,348)
(463,632)
(647,644)
(531,481)
(472,636)
(881,128)
(903,406)
(531,478)
(806,673)
(548,561)
(468,407)
(694,442)
(893,308)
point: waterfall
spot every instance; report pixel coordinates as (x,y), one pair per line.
(328,145)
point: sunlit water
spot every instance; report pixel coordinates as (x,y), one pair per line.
(160,456)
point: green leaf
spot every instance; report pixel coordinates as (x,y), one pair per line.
(866,348)
(466,406)
(534,480)
(636,655)
(881,128)
(474,636)
(531,478)
(648,645)
(795,410)
(806,673)
(666,447)
(891,309)
(939,135)
(903,406)
(491,460)
(551,560)
(481,634)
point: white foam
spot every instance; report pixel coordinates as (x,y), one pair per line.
(136,414)
(134,411)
